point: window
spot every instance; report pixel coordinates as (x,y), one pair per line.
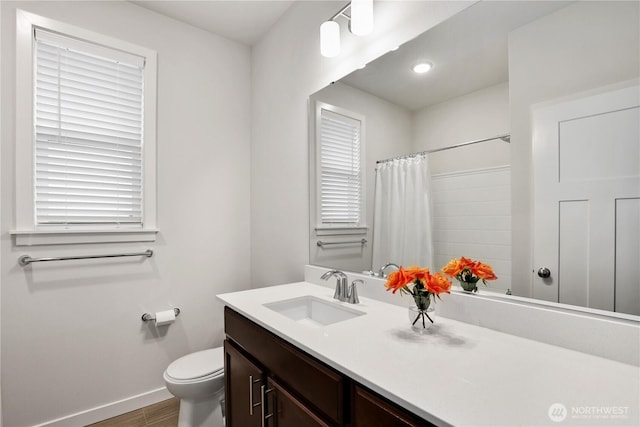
(88,134)
(88,140)
(339,167)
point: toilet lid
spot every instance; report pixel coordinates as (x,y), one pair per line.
(197,365)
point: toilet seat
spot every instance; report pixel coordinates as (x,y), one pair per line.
(197,366)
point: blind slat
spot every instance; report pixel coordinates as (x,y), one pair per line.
(340,190)
(88,129)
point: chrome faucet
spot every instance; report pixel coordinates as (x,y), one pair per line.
(381,272)
(341,292)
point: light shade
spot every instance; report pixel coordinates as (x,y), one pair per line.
(361,17)
(330,39)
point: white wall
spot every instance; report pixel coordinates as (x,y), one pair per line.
(72,338)
(480,114)
(581,47)
(0,256)
(471,185)
(286,68)
(387,134)
(393,130)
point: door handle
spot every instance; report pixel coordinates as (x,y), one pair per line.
(251,404)
(263,402)
(544,272)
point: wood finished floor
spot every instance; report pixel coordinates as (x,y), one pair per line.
(162,414)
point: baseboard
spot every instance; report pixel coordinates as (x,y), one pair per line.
(110,410)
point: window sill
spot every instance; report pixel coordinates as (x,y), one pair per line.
(69,237)
(340,231)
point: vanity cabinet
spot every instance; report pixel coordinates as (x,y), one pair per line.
(242,388)
(265,373)
(249,388)
(287,410)
(371,410)
(295,385)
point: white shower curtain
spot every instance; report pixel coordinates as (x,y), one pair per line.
(402,214)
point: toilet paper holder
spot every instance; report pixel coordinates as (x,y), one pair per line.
(148,316)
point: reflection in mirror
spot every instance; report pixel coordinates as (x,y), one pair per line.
(506,68)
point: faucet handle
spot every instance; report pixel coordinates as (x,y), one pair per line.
(353,292)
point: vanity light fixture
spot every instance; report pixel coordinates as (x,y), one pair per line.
(422,67)
(360,18)
(330,39)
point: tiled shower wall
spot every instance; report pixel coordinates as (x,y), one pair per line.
(472,218)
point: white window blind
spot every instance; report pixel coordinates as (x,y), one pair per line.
(340,177)
(88,134)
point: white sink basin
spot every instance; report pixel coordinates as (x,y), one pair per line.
(313,311)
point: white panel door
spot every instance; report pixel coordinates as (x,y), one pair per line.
(586,154)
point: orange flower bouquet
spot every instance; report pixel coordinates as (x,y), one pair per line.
(421,285)
(468,272)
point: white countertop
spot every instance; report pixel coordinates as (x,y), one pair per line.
(456,374)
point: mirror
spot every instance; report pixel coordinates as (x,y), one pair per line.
(493,64)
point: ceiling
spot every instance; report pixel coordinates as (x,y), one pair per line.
(245,21)
(468,53)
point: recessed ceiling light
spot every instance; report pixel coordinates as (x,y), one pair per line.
(421,68)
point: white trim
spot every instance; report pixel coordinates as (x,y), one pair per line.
(472,172)
(92,48)
(68,237)
(363,190)
(0,223)
(110,410)
(338,231)
(24,145)
(24,121)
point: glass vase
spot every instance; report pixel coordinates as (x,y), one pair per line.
(468,286)
(421,320)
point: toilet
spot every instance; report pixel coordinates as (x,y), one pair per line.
(197,379)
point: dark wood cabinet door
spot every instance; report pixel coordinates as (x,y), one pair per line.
(243,380)
(284,410)
(297,390)
(372,410)
(317,385)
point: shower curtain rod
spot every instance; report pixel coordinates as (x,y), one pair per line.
(506,138)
